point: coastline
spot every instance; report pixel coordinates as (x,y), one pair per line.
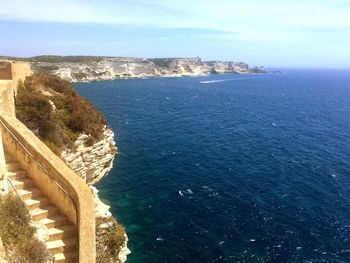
(147,76)
(90,68)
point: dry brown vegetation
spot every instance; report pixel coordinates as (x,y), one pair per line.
(16,233)
(109,240)
(55,112)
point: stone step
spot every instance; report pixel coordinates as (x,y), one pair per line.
(62,236)
(23,183)
(30,193)
(68,257)
(9,158)
(54,221)
(19,174)
(41,213)
(13,166)
(62,245)
(60,232)
(37,202)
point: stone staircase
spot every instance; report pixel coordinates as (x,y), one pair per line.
(62,236)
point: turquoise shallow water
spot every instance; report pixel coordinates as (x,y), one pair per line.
(231,168)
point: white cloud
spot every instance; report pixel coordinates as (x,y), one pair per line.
(268,20)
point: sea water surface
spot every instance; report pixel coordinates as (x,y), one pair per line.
(231,168)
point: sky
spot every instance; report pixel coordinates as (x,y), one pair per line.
(271,33)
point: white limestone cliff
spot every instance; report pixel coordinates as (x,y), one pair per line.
(109,68)
(92,163)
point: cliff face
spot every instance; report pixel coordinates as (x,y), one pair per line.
(91,162)
(107,68)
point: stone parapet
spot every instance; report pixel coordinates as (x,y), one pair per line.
(65,189)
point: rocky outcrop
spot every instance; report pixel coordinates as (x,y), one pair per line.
(107,68)
(219,67)
(124,251)
(91,162)
(102,211)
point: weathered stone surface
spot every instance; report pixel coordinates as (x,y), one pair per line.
(5,70)
(2,252)
(92,162)
(101,209)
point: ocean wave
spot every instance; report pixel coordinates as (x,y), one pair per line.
(225,80)
(207,188)
(213,81)
(185,192)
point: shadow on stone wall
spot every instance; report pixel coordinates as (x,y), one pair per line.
(5,71)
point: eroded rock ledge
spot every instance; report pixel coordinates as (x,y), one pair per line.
(92,162)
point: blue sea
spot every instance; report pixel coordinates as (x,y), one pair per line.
(231,168)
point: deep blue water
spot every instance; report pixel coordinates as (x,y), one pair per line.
(255,168)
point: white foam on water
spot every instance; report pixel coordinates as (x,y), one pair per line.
(224,80)
(189,191)
(207,188)
(185,192)
(213,81)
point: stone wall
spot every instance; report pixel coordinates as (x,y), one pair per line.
(65,189)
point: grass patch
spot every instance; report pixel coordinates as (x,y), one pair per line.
(16,233)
